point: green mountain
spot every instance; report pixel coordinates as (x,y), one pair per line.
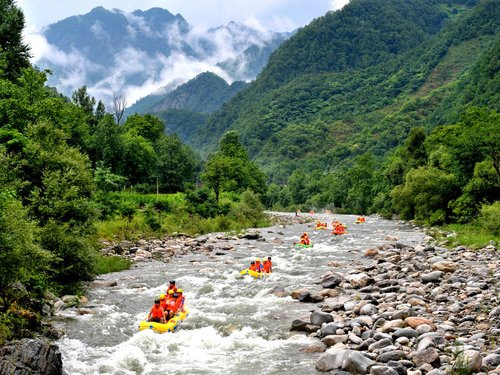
(185,109)
(357,80)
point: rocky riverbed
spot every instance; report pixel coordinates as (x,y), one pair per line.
(408,310)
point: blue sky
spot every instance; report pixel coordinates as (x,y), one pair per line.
(276,15)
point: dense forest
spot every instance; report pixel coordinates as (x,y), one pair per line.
(383,107)
(70,171)
(331,116)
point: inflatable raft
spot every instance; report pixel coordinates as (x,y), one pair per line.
(170,326)
(253,273)
(320,227)
(298,245)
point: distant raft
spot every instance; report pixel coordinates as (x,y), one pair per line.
(299,245)
(170,326)
(253,273)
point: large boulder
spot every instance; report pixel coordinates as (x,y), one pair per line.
(30,357)
(332,281)
(359,280)
(349,360)
(318,318)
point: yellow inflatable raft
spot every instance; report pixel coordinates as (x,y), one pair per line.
(170,326)
(253,273)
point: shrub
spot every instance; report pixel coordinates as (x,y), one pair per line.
(489,218)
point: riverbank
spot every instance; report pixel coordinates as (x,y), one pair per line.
(409,310)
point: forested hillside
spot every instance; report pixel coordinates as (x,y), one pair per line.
(345,91)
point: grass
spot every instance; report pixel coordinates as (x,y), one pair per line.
(470,235)
(107,264)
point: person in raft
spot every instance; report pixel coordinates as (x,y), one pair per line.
(267,265)
(258,265)
(171,287)
(156,314)
(304,239)
(181,300)
(170,306)
(252,266)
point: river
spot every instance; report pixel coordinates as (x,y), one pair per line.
(236,325)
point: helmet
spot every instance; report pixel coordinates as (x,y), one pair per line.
(172,281)
(157,300)
(179,290)
(265,260)
(162,296)
(171,291)
(257,260)
(305,233)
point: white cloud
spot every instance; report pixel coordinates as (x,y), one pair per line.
(337,4)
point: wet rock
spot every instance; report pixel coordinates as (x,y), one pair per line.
(30,357)
(299,325)
(368,309)
(331,281)
(315,348)
(371,252)
(392,325)
(318,318)
(296,293)
(305,297)
(103,283)
(380,344)
(278,291)
(251,235)
(331,340)
(359,280)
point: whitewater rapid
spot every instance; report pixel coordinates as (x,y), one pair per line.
(235,325)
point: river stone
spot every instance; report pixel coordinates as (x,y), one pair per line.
(436,371)
(445,266)
(299,325)
(368,309)
(359,280)
(394,355)
(102,283)
(331,281)
(296,293)
(331,340)
(473,360)
(380,344)
(425,343)
(491,360)
(405,332)
(345,359)
(30,357)
(423,328)
(305,297)
(391,325)
(329,329)
(315,348)
(399,367)
(426,356)
(318,318)
(432,277)
(415,321)
(382,370)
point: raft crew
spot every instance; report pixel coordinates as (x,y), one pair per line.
(265,267)
(156,314)
(181,300)
(304,239)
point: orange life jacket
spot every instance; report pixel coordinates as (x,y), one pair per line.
(157,312)
(171,305)
(171,287)
(252,267)
(267,267)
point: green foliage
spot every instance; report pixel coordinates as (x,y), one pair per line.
(424,195)
(488,218)
(14,53)
(108,264)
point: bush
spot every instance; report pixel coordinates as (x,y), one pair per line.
(489,218)
(107,264)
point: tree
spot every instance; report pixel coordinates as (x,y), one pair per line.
(147,126)
(139,158)
(14,53)
(119,105)
(176,163)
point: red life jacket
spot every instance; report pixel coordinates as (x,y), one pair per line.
(267,268)
(157,312)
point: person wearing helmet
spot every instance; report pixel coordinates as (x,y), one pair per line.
(258,265)
(156,314)
(163,301)
(169,295)
(171,286)
(170,306)
(177,299)
(267,265)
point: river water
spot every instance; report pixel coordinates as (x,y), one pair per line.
(236,325)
